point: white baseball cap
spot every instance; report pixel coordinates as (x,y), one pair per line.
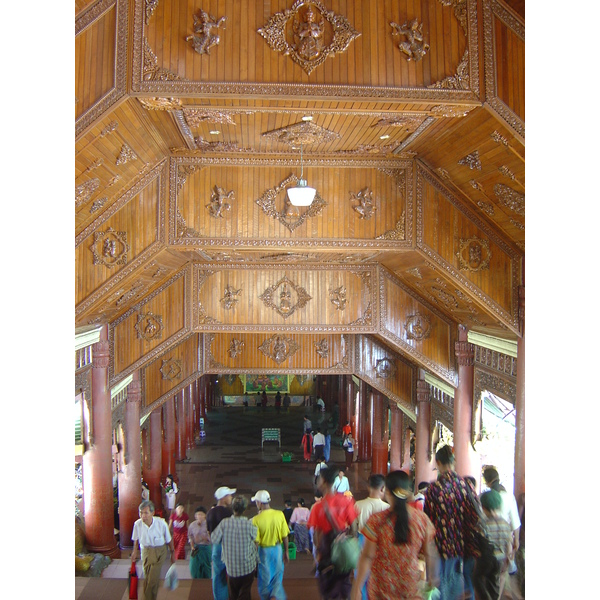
(224,491)
(261,496)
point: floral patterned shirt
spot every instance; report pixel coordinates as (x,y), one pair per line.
(454,515)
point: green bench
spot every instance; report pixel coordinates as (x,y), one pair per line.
(271,434)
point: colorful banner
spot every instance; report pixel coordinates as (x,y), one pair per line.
(270,383)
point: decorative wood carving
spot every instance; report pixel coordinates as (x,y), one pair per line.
(235,348)
(291,217)
(150,69)
(343,364)
(285,307)
(385,368)
(338,297)
(182,230)
(202,144)
(171,368)
(279,348)
(322,348)
(205,27)
(471,160)
(460,81)
(510,198)
(98,204)
(303,133)
(230,299)
(418,327)
(110,248)
(415,48)
(150,8)
(443,173)
(451,111)
(211,362)
(474,254)
(316,32)
(217,204)
(398,233)
(149,326)
(365,207)
(183,171)
(85,191)
(408,123)
(196,116)
(126,155)
(161,103)
(415,272)
(506,172)
(500,139)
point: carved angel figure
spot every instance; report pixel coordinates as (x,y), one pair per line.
(204,39)
(338,297)
(366,208)
(285,300)
(109,248)
(415,48)
(217,202)
(229,300)
(308,34)
(279,350)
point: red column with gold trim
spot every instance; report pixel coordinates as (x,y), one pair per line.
(180,429)
(379,457)
(519,481)
(130,478)
(168,445)
(464,454)
(97,460)
(153,457)
(423,450)
(396,438)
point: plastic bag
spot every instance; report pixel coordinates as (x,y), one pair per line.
(133,582)
(171,579)
(345,551)
(427,592)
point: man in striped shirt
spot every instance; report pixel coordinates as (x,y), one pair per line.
(237,536)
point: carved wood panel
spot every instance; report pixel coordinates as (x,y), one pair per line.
(242,60)
(157,323)
(279,299)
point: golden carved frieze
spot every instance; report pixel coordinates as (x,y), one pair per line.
(205,32)
(149,10)
(368,149)
(171,369)
(397,234)
(471,160)
(98,204)
(150,69)
(217,205)
(408,123)
(418,327)
(451,111)
(322,348)
(126,155)
(110,248)
(366,205)
(460,81)
(183,172)
(218,146)
(279,348)
(291,297)
(196,116)
(414,47)
(85,190)
(182,230)
(499,138)
(507,172)
(149,326)
(230,299)
(316,33)
(338,297)
(305,132)
(235,348)
(510,198)
(161,103)
(474,254)
(291,216)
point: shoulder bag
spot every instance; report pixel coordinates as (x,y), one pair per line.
(345,548)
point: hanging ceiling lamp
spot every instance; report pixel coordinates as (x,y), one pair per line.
(301,194)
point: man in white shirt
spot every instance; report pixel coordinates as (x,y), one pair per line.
(319,444)
(152,535)
(321,464)
(341,484)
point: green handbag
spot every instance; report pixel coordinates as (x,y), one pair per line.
(345,549)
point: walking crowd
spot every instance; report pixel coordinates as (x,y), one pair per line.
(443,542)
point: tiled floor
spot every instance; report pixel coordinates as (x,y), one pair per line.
(231,454)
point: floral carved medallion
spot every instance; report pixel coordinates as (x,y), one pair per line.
(308,33)
(417,327)
(149,326)
(471,160)
(279,348)
(385,368)
(474,254)
(171,369)
(285,297)
(290,216)
(510,198)
(110,248)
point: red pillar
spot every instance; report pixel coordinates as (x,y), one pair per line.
(196,405)
(406,464)
(423,450)
(352,412)
(153,465)
(130,478)
(168,444)
(180,429)
(519,482)
(189,418)
(396,438)
(362,422)
(379,459)
(97,459)
(464,454)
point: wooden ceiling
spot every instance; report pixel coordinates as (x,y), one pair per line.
(186,141)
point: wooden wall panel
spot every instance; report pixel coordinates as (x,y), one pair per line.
(302,354)
(510,68)
(398,387)
(372,59)
(250,312)
(166,304)
(246,220)
(142,208)
(398,306)
(184,361)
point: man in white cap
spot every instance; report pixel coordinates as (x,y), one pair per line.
(215,515)
(273,530)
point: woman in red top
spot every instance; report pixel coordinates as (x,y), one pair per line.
(394,539)
(178,524)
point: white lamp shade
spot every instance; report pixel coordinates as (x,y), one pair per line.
(301,195)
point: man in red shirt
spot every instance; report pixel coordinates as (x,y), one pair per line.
(339,510)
